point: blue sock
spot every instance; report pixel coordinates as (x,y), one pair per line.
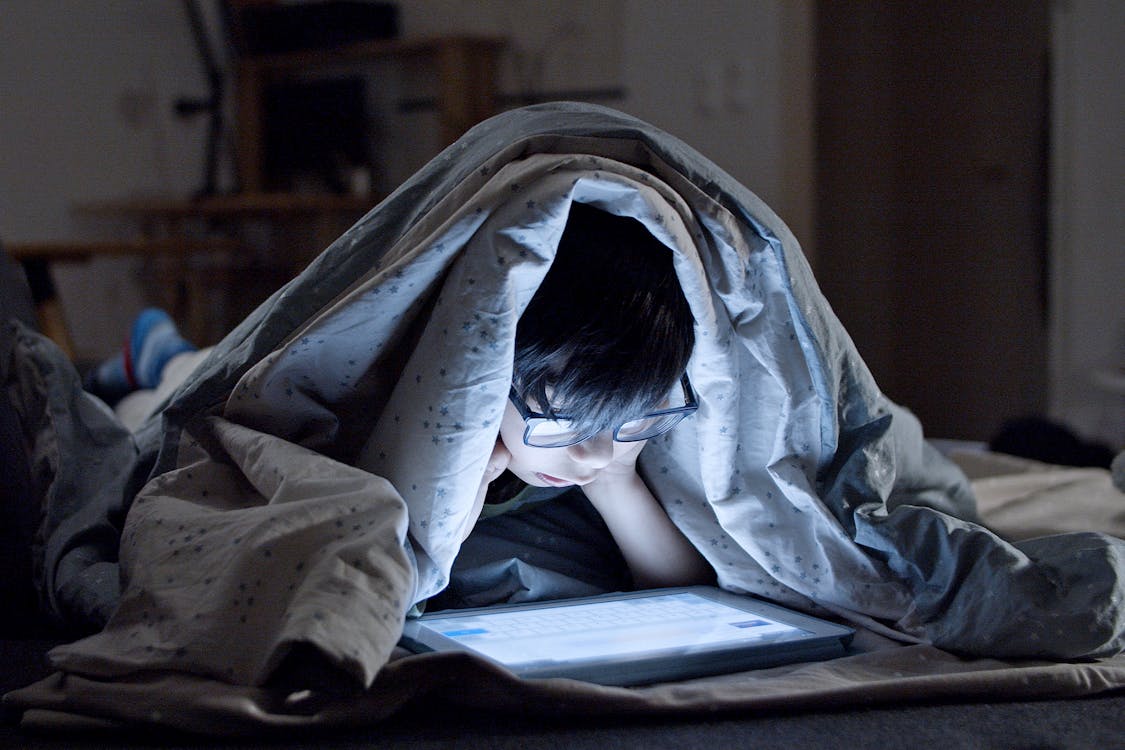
(153,342)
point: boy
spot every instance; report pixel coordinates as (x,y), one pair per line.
(601,353)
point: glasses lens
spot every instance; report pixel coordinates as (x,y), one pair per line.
(648,427)
(551,433)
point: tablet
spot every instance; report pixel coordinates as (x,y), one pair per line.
(632,638)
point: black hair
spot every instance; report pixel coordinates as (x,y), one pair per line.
(609,332)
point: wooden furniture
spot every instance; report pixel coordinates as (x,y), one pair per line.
(465,66)
(297,226)
(319,217)
(236,249)
(38,257)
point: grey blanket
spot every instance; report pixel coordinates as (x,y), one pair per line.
(312,480)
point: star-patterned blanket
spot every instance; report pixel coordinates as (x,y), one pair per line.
(313,479)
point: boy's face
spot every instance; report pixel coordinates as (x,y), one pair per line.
(560,467)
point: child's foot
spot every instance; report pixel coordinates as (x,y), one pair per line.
(153,341)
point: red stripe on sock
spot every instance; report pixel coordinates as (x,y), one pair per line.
(130,376)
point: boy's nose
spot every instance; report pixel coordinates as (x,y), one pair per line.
(596,452)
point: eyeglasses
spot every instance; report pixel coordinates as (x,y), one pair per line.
(541,431)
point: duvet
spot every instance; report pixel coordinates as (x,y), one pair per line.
(311,482)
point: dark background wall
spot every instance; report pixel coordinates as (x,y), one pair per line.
(932,150)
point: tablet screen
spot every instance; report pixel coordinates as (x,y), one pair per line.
(590,630)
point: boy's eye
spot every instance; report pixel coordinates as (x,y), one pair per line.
(645,426)
(554,427)
(551,433)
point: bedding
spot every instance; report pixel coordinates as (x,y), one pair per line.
(881,673)
(311,481)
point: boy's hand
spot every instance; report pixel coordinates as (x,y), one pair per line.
(624,463)
(497,462)
(657,553)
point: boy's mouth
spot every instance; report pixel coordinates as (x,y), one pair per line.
(553,481)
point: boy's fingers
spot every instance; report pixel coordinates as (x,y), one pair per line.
(497,462)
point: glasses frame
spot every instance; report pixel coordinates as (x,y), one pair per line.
(531,418)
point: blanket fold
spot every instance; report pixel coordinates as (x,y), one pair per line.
(228,563)
(80,466)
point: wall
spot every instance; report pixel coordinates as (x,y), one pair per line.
(931,201)
(86,92)
(736,84)
(88,89)
(733,79)
(85,113)
(1088,217)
